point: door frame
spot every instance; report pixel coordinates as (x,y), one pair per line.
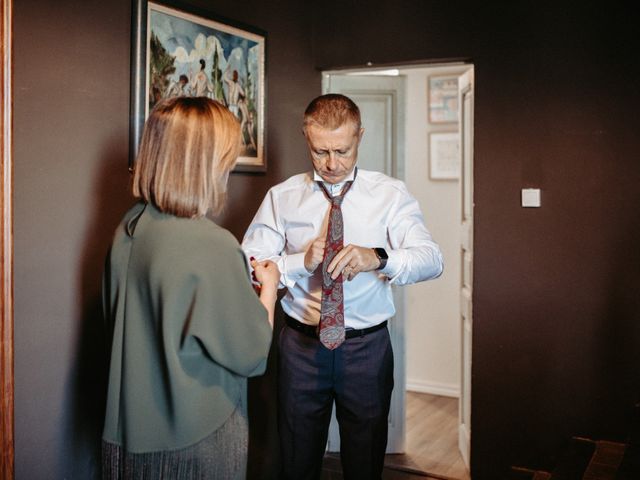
(6,247)
(466,90)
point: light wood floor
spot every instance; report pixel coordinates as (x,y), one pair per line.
(432,437)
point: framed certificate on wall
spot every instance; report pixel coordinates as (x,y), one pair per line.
(443,99)
(444,155)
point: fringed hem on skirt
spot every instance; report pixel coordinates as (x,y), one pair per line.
(221,455)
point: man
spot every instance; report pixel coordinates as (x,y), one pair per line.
(200,84)
(177,89)
(234,92)
(340,236)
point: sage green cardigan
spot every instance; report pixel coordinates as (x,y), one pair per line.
(187,330)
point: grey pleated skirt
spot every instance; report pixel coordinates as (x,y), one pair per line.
(221,455)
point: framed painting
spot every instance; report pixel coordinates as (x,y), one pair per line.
(443,99)
(181,51)
(444,155)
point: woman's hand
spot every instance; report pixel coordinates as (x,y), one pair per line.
(268,274)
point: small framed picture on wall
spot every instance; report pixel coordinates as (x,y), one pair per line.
(444,155)
(443,99)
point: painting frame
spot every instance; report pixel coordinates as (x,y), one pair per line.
(444,155)
(249,55)
(443,98)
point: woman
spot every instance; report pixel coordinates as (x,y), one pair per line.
(187,326)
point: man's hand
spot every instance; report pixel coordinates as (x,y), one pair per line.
(352,260)
(314,254)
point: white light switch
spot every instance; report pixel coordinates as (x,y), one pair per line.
(530,197)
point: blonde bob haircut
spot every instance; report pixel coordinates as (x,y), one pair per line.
(331,111)
(188,147)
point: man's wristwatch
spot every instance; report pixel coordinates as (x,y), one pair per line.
(381,253)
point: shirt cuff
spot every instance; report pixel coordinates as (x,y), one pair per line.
(294,266)
(394,264)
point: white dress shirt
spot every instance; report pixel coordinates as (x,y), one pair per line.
(378,211)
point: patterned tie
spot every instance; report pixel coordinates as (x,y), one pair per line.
(331,328)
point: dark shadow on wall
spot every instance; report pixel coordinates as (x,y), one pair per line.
(86,390)
(264,450)
(619,334)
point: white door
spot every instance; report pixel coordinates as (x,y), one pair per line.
(465,88)
(381,102)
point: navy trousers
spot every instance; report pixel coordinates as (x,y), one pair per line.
(358,377)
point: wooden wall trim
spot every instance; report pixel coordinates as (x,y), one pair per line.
(6,245)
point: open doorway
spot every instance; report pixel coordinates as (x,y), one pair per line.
(432,331)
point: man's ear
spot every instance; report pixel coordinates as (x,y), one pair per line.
(360,133)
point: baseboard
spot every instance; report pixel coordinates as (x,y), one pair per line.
(433,388)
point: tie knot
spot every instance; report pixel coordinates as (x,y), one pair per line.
(336,200)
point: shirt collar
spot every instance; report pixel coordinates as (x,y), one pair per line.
(336,188)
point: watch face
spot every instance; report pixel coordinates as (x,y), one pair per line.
(381,253)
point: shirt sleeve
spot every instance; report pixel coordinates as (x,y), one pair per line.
(266,240)
(413,256)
